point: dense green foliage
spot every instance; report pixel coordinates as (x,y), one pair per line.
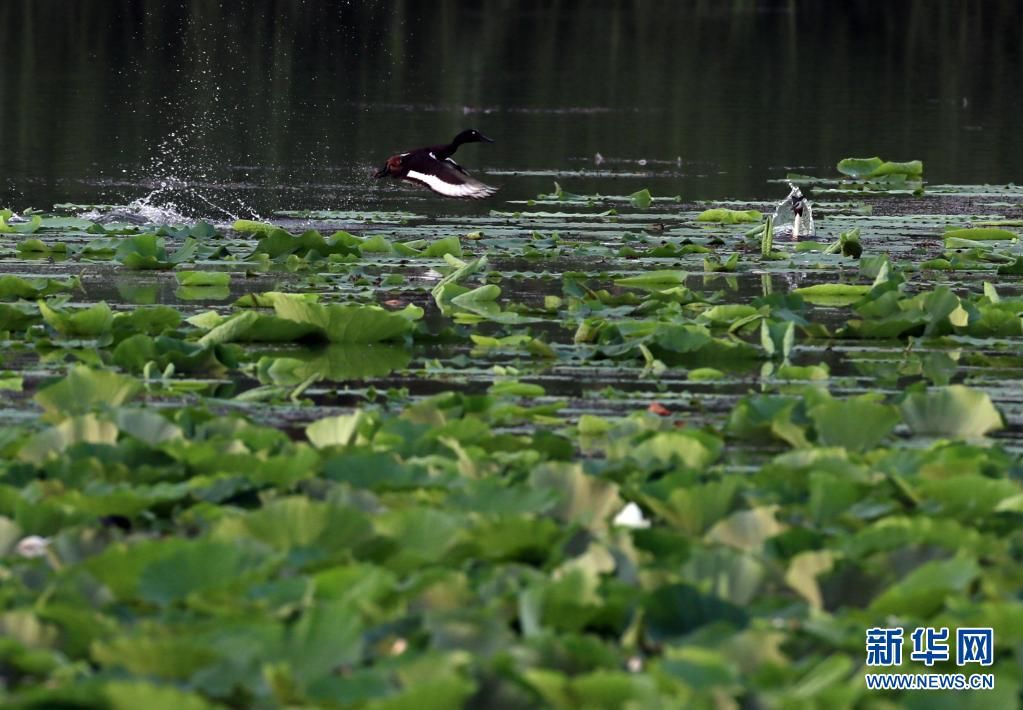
(586,458)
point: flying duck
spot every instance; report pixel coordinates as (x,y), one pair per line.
(433,167)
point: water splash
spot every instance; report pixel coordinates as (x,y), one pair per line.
(186,183)
(153,208)
(793,217)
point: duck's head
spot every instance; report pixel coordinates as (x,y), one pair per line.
(797,200)
(391,167)
(471,136)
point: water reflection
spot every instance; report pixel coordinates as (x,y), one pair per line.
(264,104)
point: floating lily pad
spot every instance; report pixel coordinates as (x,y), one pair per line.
(833,294)
(203,278)
(954,411)
(725,215)
(83,389)
(875,167)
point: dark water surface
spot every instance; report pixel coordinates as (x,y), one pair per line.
(261,105)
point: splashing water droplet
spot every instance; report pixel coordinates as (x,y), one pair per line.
(793,217)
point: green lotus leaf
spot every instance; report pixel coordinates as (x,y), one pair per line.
(129,695)
(83,389)
(460,271)
(692,449)
(202,293)
(514,388)
(354,323)
(847,244)
(377,244)
(248,226)
(278,243)
(705,374)
(135,353)
(678,338)
(832,294)
(28,227)
(808,373)
(875,167)
(712,265)
(420,536)
(724,215)
(924,591)
(1013,269)
(147,426)
(747,529)
(728,313)
(954,412)
(295,522)
(197,567)
(154,320)
(82,323)
(341,430)
(857,424)
(674,611)
(909,169)
(203,278)
(859,167)
(803,571)
(641,199)
(49,443)
(615,688)
(487,293)
(980,234)
(333,363)
(431,691)
(229,330)
(18,316)
(327,636)
(770,416)
(654,279)
(777,337)
(103,499)
(968,496)
(582,498)
(149,251)
(376,471)
(440,247)
(14,287)
(993,322)
(895,532)
(167,656)
(692,508)
(254,327)
(266,300)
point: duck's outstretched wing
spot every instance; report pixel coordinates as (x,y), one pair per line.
(448,178)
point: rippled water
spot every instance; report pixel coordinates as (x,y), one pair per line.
(248,107)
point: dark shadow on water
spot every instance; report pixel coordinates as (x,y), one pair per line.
(266,104)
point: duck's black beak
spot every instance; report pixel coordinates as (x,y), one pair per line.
(382,172)
(484,138)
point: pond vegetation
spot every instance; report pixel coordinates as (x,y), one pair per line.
(577,451)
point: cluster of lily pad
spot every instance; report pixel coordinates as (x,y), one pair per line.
(627,454)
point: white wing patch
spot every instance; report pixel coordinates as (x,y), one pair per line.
(473,189)
(455,165)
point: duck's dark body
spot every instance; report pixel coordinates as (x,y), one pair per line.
(433,167)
